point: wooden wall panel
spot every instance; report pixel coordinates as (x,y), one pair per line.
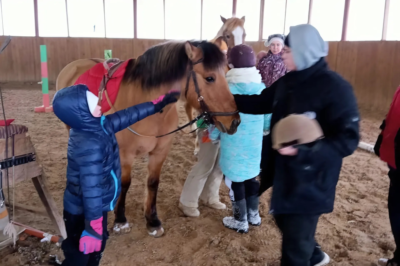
(373,68)
(346,60)
(140,46)
(332,55)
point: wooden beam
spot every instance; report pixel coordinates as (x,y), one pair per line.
(164,17)
(135,19)
(201,20)
(310,5)
(234,5)
(49,204)
(284,21)
(260,33)
(66,12)
(385,20)
(2,20)
(35,5)
(345,20)
(104,16)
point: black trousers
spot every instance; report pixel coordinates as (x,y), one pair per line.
(74,225)
(245,189)
(394,209)
(299,247)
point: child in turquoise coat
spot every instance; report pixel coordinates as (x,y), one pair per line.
(240,153)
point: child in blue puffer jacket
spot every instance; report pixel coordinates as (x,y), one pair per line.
(241,153)
(94,169)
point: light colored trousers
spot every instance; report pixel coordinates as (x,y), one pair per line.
(205,177)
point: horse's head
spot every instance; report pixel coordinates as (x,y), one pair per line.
(233,31)
(212,94)
(179,65)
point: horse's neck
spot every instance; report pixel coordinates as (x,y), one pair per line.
(132,93)
(220,33)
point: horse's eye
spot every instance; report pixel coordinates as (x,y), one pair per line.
(210,79)
(227,36)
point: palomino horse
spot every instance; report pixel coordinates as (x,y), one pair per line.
(196,67)
(232,33)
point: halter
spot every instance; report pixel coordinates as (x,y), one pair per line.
(206,114)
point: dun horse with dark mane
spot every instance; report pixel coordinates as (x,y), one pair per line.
(230,34)
(196,69)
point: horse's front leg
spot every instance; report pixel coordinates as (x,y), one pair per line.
(121,224)
(156,160)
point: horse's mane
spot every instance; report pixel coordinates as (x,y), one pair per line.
(167,63)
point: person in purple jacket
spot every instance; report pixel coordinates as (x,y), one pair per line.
(94,168)
(271,64)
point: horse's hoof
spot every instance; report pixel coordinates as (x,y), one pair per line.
(155,232)
(122,228)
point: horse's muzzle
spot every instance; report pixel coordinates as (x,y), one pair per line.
(233,128)
(235,124)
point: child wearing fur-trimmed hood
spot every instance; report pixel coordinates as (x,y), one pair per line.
(270,64)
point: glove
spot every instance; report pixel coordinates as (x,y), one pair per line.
(166,99)
(92,236)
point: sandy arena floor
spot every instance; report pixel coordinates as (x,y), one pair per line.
(356,233)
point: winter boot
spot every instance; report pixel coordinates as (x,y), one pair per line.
(239,220)
(387,262)
(319,258)
(189,211)
(253,216)
(324,261)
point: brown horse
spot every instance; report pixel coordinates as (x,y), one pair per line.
(231,33)
(162,68)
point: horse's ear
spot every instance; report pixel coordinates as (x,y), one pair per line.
(220,42)
(192,52)
(243,18)
(223,19)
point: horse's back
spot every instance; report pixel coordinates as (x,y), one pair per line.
(71,72)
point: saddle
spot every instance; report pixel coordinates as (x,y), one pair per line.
(104,80)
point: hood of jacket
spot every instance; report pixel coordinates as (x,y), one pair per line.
(71,107)
(245,81)
(307,46)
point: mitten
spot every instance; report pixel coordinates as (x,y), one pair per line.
(92,236)
(166,99)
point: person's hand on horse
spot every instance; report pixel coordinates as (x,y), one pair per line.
(92,236)
(288,151)
(170,97)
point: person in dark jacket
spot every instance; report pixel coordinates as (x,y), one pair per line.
(305,179)
(94,170)
(387,147)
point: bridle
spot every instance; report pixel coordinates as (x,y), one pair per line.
(206,114)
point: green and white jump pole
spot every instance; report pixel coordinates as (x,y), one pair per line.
(107,54)
(46,107)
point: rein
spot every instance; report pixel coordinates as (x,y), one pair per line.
(206,114)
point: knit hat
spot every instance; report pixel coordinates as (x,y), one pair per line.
(295,130)
(274,37)
(242,56)
(92,101)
